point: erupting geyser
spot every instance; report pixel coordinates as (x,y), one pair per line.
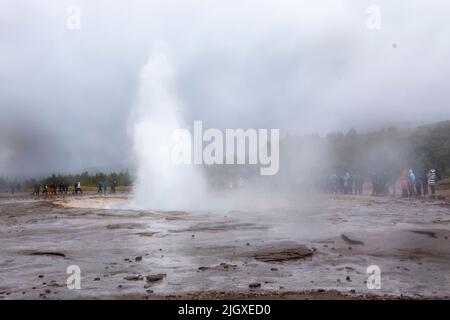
(161,184)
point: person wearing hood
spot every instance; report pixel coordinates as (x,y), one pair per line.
(404,183)
(411,183)
(432,182)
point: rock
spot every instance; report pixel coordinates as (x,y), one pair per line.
(283,254)
(41,276)
(203,268)
(348,278)
(227,265)
(273,269)
(53,283)
(97,279)
(254,285)
(138,259)
(134,278)
(351,241)
(149,291)
(427,233)
(124,226)
(155,277)
(146,234)
(47,253)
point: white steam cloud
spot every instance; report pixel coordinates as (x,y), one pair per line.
(161,184)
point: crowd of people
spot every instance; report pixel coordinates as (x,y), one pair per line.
(344,184)
(103,186)
(56,188)
(413,184)
(62,188)
(384,183)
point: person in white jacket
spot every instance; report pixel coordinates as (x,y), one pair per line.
(432,182)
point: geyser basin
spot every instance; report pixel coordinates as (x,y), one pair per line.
(217,252)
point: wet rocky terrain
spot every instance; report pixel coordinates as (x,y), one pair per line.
(306,249)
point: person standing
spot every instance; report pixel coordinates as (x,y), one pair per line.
(105,187)
(340,184)
(346,183)
(432,182)
(404,183)
(37,189)
(419,183)
(113,186)
(359,182)
(78,188)
(411,183)
(425,183)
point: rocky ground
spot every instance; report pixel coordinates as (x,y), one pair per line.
(314,248)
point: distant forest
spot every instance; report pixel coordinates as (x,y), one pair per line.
(393,149)
(305,160)
(123,178)
(313,156)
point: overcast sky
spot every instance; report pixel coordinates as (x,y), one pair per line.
(304,66)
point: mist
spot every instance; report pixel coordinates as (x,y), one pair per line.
(160,183)
(67,95)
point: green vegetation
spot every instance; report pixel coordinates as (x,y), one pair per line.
(88,181)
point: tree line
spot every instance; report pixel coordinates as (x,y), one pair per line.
(123,178)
